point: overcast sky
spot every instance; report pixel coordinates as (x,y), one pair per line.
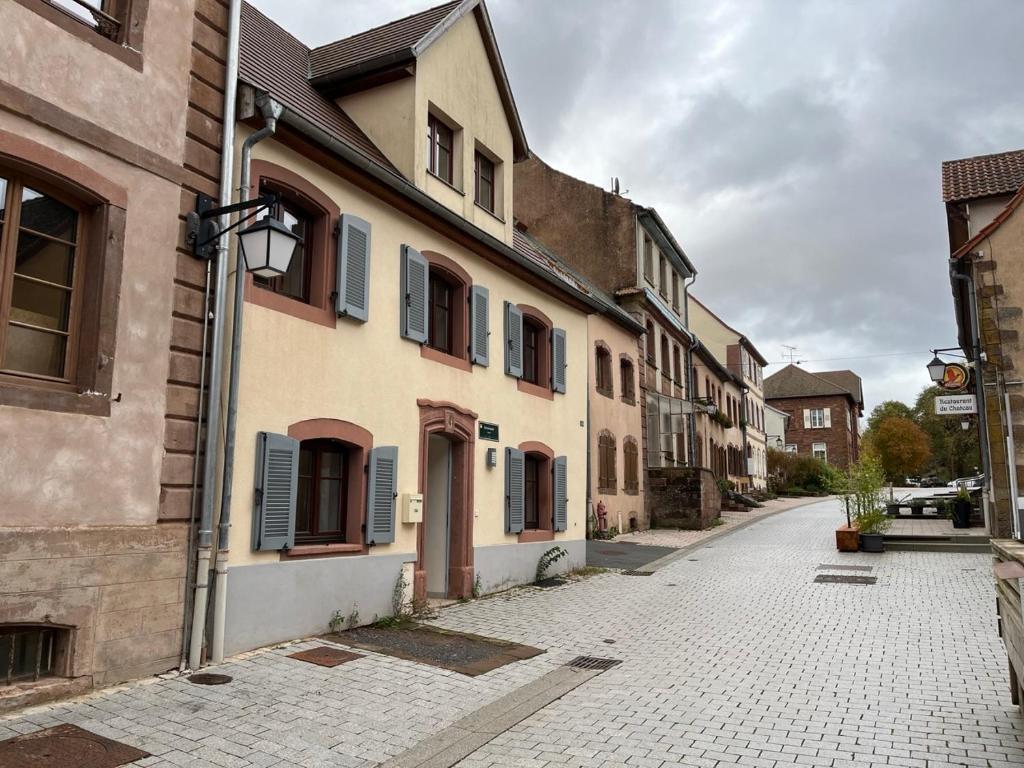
(793,147)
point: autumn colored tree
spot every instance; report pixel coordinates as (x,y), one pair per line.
(888,408)
(902,446)
(955,451)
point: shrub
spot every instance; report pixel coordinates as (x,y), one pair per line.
(790,472)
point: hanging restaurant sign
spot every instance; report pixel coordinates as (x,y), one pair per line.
(956,376)
(955,405)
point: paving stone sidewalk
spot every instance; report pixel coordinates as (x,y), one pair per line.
(733,656)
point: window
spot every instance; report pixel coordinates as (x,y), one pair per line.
(531,482)
(483,176)
(675,291)
(631,458)
(817,418)
(533,343)
(440,313)
(294,283)
(440,149)
(27,653)
(663,276)
(652,355)
(648,259)
(41,277)
(790,448)
(666,369)
(603,371)
(321,505)
(820,451)
(677,365)
(606,477)
(628,385)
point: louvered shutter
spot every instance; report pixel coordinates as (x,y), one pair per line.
(515,490)
(807,418)
(828,418)
(560,495)
(558,360)
(353,287)
(479,325)
(513,340)
(380,495)
(415,277)
(277,481)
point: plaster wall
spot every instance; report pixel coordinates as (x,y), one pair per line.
(982,211)
(622,419)
(387,114)
(365,373)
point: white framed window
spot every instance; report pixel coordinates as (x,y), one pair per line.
(790,448)
(817,418)
(820,451)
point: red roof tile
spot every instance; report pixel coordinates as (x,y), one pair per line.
(983,176)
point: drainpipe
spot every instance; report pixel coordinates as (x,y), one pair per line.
(1011,465)
(986,459)
(271,112)
(689,371)
(203,555)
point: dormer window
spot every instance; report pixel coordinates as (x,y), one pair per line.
(440,149)
(483,176)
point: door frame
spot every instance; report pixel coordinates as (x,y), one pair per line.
(458,424)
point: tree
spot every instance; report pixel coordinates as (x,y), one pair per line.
(888,408)
(902,447)
(955,451)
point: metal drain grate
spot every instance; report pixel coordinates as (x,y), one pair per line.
(209,678)
(593,662)
(830,578)
(66,745)
(638,573)
(325,656)
(831,567)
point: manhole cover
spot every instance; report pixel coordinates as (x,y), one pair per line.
(66,745)
(325,656)
(593,662)
(610,642)
(831,567)
(638,573)
(209,678)
(829,578)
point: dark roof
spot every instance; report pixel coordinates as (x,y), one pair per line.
(796,382)
(396,36)
(983,176)
(275,61)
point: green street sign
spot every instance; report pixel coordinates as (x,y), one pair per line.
(488,431)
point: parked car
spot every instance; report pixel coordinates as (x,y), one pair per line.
(932,481)
(913,482)
(969,483)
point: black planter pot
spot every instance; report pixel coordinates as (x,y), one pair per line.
(961,514)
(872,542)
(892,509)
(919,510)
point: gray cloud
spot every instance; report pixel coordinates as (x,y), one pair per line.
(794,146)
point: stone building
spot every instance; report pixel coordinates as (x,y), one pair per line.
(109,125)
(824,409)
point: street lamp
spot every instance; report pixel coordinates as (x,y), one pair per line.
(936,369)
(267,247)
(965,424)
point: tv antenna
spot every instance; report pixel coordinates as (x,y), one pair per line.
(790,353)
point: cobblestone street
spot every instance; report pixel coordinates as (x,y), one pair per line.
(732,655)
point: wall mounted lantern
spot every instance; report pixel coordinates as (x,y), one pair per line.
(266,245)
(936,369)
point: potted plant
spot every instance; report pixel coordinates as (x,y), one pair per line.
(872,525)
(893,506)
(962,509)
(917,506)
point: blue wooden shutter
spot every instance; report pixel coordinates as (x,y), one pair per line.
(513,340)
(560,483)
(515,490)
(380,495)
(353,269)
(277,482)
(558,360)
(479,325)
(415,279)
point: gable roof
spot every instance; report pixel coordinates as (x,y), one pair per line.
(394,46)
(275,61)
(992,226)
(796,382)
(983,176)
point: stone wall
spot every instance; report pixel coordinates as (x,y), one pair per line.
(683,497)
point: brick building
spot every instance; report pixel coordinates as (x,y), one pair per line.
(823,409)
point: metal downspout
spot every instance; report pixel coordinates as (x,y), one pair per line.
(986,458)
(271,112)
(689,371)
(198,624)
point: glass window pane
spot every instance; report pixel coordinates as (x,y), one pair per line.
(3,198)
(42,305)
(330,463)
(330,506)
(45,259)
(44,214)
(31,351)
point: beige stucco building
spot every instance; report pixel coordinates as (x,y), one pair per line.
(102,147)
(413,393)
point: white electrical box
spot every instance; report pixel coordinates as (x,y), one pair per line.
(412,508)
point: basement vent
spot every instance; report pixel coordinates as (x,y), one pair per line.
(830,578)
(209,678)
(831,567)
(638,573)
(593,662)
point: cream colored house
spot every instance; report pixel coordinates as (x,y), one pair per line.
(413,393)
(737,353)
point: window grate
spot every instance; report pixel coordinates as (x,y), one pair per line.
(831,567)
(831,578)
(26,653)
(593,662)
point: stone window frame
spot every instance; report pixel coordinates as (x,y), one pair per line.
(103,208)
(542,388)
(461,282)
(627,373)
(125,44)
(603,370)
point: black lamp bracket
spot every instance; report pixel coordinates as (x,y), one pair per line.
(201,225)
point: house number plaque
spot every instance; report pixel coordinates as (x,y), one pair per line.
(488,431)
